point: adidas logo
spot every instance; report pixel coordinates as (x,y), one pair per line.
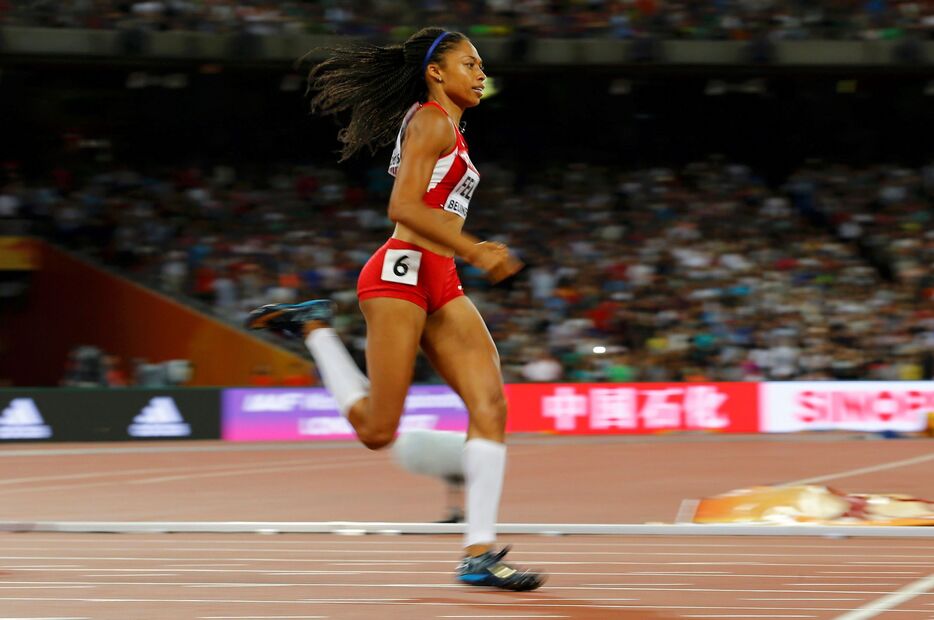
(22,420)
(160,418)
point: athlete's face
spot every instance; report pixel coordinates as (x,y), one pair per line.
(462,72)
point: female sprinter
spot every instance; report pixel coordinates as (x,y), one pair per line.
(409,290)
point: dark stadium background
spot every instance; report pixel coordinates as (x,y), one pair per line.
(770,118)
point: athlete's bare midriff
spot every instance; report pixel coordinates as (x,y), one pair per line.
(451,220)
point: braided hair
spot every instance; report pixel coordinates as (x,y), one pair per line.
(377,84)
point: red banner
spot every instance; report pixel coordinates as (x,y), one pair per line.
(632,408)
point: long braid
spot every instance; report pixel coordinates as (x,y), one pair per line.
(376,84)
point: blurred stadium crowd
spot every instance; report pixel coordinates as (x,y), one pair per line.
(700,273)
(623,19)
(89,366)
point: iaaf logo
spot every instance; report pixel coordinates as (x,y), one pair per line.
(694,407)
(22,420)
(160,418)
(318,400)
(322,426)
(264,402)
(815,406)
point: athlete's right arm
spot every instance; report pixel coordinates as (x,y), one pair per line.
(428,135)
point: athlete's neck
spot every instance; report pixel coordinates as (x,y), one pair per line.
(454,111)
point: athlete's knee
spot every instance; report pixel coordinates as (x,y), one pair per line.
(376,440)
(375,426)
(489,413)
(376,436)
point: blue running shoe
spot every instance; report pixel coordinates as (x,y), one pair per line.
(490,570)
(290,319)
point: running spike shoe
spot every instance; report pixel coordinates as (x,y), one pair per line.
(490,570)
(290,319)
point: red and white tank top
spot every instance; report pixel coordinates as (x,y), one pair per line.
(454,178)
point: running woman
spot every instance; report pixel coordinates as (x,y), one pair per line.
(409,290)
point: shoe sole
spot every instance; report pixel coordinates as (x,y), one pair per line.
(262,322)
(486,584)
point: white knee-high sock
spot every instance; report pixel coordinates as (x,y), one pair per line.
(338,371)
(484,469)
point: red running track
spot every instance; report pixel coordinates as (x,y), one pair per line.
(294,576)
(223,576)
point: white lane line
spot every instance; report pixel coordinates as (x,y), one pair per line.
(693,573)
(889,602)
(796,598)
(221,584)
(212,601)
(445,586)
(372,562)
(875,585)
(241,585)
(868,572)
(640,585)
(868,563)
(378,553)
(549,563)
(745,575)
(207,565)
(61,587)
(49,566)
(408,602)
(177,559)
(285,570)
(756,564)
(455,586)
(863,470)
(154,572)
(296,547)
(135,573)
(141,539)
(182,568)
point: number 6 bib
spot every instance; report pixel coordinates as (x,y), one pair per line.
(401,266)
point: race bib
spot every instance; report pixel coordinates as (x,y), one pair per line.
(459,200)
(401,266)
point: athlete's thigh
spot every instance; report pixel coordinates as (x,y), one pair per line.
(459,346)
(393,330)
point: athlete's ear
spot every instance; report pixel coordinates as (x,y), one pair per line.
(434,73)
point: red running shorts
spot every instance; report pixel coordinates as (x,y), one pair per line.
(406,271)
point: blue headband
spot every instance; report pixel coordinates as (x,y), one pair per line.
(431,50)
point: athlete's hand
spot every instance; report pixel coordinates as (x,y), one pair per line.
(494,259)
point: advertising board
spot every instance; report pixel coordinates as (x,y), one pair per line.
(621,408)
(868,406)
(108,415)
(295,414)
